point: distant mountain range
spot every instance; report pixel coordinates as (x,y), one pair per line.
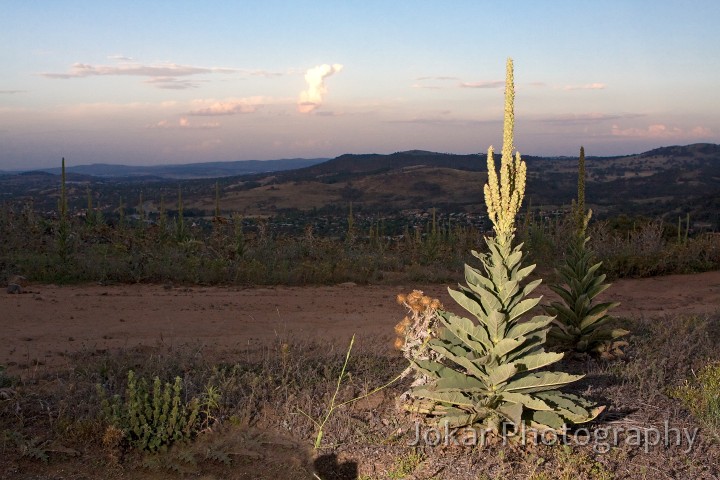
(189,170)
(664,182)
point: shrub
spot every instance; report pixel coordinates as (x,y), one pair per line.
(152,419)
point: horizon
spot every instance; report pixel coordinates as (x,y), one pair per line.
(325,159)
(110,84)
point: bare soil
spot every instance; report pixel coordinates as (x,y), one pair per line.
(47,323)
(49,331)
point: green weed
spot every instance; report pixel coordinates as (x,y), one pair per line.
(701,395)
(154,418)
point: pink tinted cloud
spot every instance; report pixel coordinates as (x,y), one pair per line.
(591,117)
(228,107)
(171,83)
(183,122)
(162,75)
(79,70)
(661,131)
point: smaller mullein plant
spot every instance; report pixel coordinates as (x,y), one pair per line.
(581,323)
(63,231)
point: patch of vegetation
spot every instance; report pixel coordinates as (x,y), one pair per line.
(129,245)
(701,395)
(405,465)
(152,418)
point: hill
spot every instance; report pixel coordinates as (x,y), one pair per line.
(189,170)
(668,181)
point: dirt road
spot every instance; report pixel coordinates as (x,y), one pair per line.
(48,322)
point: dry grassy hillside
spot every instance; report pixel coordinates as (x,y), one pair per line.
(665,182)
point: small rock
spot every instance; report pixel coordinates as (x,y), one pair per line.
(7,393)
(14,288)
(18,280)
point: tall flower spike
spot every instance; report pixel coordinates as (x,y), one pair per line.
(491,190)
(504,197)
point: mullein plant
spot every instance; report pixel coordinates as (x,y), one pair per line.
(486,372)
(180,224)
(63,238)
(581,324)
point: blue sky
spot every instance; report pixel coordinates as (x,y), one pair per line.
(148,82)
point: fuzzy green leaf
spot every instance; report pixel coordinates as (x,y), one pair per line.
(529,326)
(467,332)
(528,401)
(452,398)
(474,277)
(512,411)
(537,360)
(537,382)
(505,346)
(531,286)
(472,368)
(523,307)
(596,290)
(478,302)
(571,406)
(495,322)
(546,419)
(502,373)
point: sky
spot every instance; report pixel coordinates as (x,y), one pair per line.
(160,82)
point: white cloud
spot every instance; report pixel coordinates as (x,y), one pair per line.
(495,84)
(426,87)
(441,78)
(456,83)
(312,98)
(121,58)
(589,86)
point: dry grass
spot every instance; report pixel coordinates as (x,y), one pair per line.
(54,420)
